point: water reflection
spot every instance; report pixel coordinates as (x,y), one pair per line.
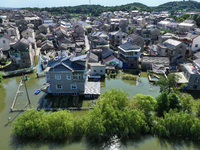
(140,143)
(2,98)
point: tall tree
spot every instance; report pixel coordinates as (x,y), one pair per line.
(169,84)
(162,104)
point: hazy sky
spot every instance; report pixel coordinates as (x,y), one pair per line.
(54,3)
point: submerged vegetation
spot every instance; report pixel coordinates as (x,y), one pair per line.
(114,114)
(129,77)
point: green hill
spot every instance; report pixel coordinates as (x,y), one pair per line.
(96,10)
(179,6)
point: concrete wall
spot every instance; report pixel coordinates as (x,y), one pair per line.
(65,82)
(97,70)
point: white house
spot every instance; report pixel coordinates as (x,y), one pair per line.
(186,27)
(163,24)
(28,33)
(112,60)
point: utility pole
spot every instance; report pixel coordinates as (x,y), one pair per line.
(29,102)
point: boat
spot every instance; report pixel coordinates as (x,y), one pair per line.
(37,92)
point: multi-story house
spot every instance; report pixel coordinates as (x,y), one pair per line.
(28,33)
(186,26)
(136,40)
(13,31)
(192,74)
(66,76)
(5,42)
(36,21)
(172,48)
(150,34)
(191,40)
(117,38)
(22,53)
(129,54)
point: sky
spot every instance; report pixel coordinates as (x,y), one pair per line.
(56,3)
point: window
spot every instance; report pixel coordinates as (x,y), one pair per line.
(77,76)
(196,45)
(135,53)
(59,87)
(58,77)
(94,70)
(69,77)
(48,77)
(4,41)
(22,54)
(73,86)
(74,94)
(195,87)
(101,70)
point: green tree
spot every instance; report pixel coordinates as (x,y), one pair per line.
(131,30)
(168,85)
(198,108)
(163,103)
(186,102)
(183,18)
(174,101)
(144,103)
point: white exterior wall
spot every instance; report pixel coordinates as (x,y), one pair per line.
(120,63)
(196,41)
(27,34)
(97,70)
(5,46)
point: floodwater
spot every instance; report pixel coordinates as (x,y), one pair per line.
(9,142)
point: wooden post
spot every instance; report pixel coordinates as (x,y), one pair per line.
(26,89)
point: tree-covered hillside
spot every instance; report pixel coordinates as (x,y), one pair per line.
(179,6)
(96,10)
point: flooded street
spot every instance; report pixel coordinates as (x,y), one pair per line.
(8,142)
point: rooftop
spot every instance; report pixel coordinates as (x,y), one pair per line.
(182,78)
(191,69)
(129,47)
(92,88)
(172,42)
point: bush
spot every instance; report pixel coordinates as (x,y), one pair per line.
(175,124)
(129,77)
(163,103)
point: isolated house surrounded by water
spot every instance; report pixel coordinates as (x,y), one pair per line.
(68,76)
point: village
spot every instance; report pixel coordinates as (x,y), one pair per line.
(79,76)
(76,54)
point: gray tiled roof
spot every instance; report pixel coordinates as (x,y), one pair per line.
(129,46)
(21,45)
(65,65)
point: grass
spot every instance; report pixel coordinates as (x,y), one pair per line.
(85,103)
(129,77)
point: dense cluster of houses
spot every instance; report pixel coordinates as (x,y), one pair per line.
(77,50)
